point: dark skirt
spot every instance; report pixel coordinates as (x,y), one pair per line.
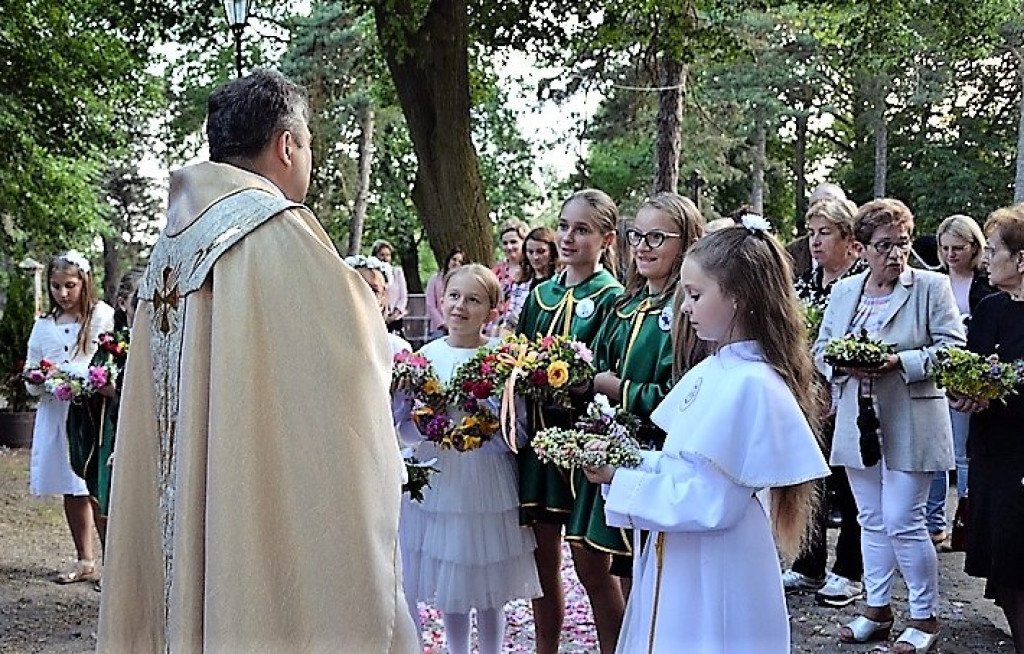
(995,529)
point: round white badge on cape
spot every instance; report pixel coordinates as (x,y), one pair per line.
(665,319)
(585,308)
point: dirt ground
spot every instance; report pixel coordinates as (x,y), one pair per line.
(37,615)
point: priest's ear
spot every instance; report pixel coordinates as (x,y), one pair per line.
(284,146)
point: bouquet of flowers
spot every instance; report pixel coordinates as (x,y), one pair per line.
(69,383)
(603,436)
(418,474)
(814,313)
(542,369)
(976,376)
(857,351)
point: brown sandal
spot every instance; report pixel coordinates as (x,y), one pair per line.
(82,570)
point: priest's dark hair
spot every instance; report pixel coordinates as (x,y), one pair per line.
(245,114)
(752,268)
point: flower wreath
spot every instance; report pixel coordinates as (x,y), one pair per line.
(755,223)
(436,408)
(358,261)
(76,258)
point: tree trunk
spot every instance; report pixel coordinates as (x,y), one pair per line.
(800,172)
(670,118)
(881,137)
(1018,181)
(355,228)
(757,172)
(111,270)
(429,64)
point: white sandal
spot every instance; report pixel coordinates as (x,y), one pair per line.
(921,640)
(82,570)
(864,629)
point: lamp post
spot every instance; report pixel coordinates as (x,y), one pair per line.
(695,182)
(237,12)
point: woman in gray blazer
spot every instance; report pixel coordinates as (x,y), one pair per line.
(915,311)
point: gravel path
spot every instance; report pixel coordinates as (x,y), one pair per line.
(37,615)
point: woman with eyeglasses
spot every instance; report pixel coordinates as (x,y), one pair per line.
(915,312)
(961,246)
(633,350)
(996,448)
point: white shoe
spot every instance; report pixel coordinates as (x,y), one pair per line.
(794,582)
(839,591)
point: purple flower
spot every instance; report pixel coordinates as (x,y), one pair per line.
(437,427)
(35,376)
(63,392)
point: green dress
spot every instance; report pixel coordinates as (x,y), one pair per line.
(545,493)
(635,343)
(92,424)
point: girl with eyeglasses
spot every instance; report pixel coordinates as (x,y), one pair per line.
(633,351)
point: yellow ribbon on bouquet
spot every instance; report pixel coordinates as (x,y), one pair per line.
(517,361)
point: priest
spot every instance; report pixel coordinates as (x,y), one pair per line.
(257,480)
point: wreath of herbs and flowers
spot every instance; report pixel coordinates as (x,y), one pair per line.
(975,375)
(70,383)
(457,417)
(857,351)
(603,436)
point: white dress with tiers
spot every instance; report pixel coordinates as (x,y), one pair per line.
(50,468)
(463,544)
(715,587)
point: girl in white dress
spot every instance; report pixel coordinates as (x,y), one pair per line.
(464,548)
(66,335)
(737,423)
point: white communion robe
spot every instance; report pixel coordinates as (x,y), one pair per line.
(734,428)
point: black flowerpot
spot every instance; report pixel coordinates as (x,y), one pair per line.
(16,428)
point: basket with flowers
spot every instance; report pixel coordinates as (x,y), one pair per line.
(857,351)
(603,436)
(976,376)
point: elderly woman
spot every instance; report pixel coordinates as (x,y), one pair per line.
(837,253)
(960,248)
(913,310)
(996,529)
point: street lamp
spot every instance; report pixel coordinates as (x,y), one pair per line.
(237,12)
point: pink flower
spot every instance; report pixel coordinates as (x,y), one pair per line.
(547,341)
(98,376)
(63,392)
(583,352)
(486,368)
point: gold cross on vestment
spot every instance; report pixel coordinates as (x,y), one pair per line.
(165,299)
